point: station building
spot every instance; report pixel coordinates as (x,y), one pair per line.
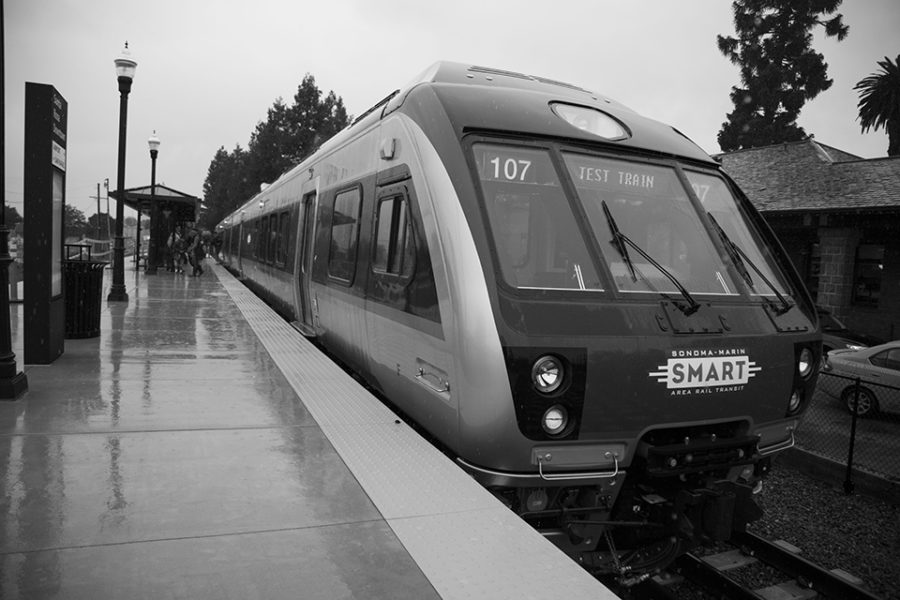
(838,217)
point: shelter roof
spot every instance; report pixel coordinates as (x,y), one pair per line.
(184,207)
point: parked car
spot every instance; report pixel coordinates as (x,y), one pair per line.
(878,370)
(836,335)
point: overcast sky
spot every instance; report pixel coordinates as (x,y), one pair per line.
(208,70)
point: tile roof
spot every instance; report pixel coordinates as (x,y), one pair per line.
(810,176)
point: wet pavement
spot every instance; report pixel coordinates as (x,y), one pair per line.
(169,458)
(201,448)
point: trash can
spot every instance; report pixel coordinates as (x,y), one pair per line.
(83,291)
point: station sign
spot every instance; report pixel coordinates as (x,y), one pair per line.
(46,123)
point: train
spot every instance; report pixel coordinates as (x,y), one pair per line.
(572,300)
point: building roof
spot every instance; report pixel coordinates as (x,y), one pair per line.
(183,206)
(809,176)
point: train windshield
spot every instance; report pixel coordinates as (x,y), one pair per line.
(764,277)
(641,216)
(536,237)
(649,205)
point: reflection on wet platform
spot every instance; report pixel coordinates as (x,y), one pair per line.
(201,448)
(169,458)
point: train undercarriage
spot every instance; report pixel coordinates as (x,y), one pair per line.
(670,501)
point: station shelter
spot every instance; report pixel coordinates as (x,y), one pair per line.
(837,215)
(173,209)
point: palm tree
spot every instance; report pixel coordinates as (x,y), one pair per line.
(879,102)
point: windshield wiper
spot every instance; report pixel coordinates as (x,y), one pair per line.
(738,257)
(620,239)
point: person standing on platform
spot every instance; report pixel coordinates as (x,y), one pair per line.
(16,251)
(217,246)
(177,247)
(196,252)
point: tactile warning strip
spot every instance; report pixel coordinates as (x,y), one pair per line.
(466,543)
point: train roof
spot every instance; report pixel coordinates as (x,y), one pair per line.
(486,99)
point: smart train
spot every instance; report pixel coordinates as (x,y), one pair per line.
(574,301)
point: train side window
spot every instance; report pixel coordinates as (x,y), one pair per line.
(254,243)
(344,236)
(402,276)
(272,232)
(395,251)
(273,238)
(281,252)
(264,239)
(267,239)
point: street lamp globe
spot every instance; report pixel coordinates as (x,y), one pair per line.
(125,65)
(153,143)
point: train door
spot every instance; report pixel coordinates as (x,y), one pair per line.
(305,239)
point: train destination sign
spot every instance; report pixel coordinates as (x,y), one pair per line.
(615,177)
(619,176)
(502,163)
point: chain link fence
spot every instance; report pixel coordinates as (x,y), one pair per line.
(865,443)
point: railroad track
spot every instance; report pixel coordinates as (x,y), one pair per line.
(799,577)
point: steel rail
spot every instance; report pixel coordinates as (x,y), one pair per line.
(711,578)
(819,578)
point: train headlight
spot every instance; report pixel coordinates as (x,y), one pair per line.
(547,374)
(555,420)
(805,363)
(794,402)
(591,120)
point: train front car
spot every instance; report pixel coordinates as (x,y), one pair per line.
(658,346)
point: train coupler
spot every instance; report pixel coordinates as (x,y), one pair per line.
(713,513)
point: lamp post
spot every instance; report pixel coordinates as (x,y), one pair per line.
(13,383)
(125,68)
(136,259)
(153,248)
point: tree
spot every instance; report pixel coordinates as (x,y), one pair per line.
(286,137)
(76,225)
(313,120)
(98,227)
(780,71)
(290,134)
(228,185)
(12,216)
(272,147)
(879,102)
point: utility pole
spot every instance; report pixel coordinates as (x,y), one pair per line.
(98,211)
(106,185)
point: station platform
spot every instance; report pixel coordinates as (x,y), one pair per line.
(201,448)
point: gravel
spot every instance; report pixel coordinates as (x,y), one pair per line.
(858,534)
